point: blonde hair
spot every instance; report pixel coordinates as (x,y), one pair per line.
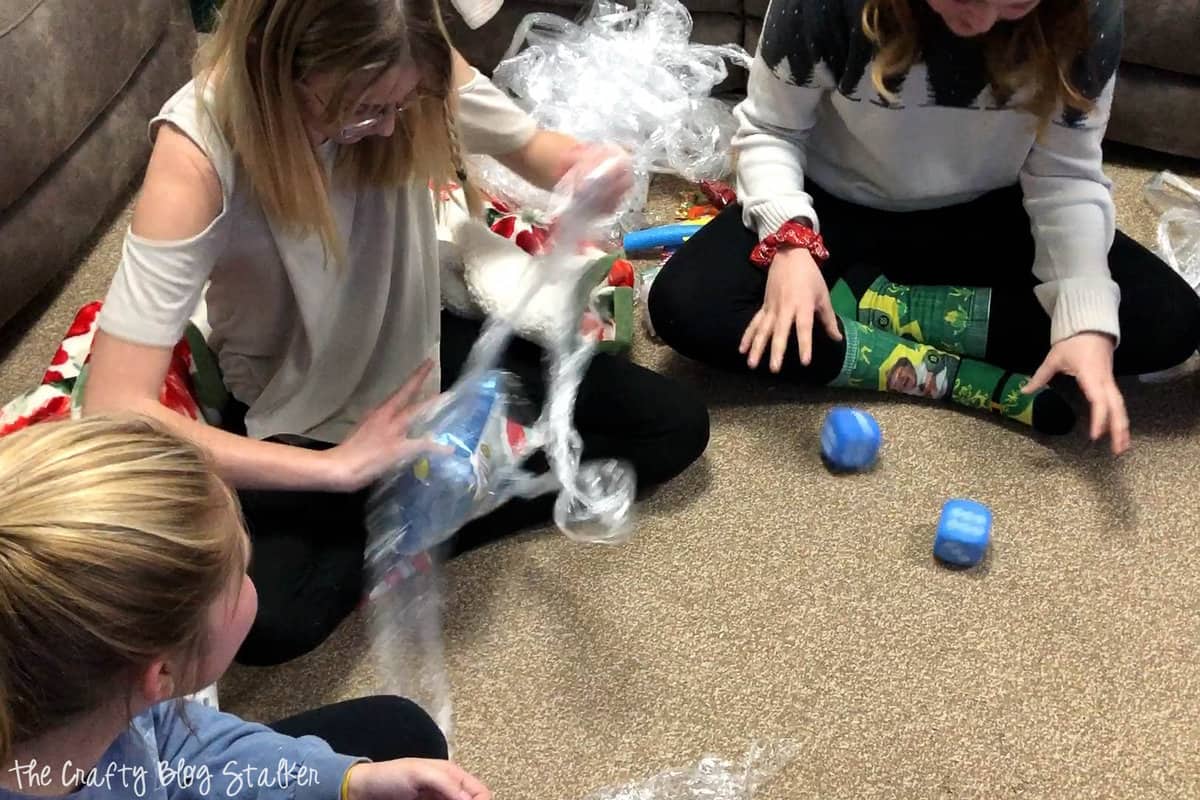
(1034,54)
(112,552)
(262,48)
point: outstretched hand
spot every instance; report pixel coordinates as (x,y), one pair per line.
(1088,357)
(796,291)
(413,779)
(582,160)
(381,441)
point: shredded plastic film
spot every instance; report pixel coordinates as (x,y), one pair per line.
(423,503)
(405,607)
(1178,203)
(629,76)
(711,778)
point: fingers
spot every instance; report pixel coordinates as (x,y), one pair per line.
(1099,394)
(1041,378)
(408,449)
(412,387)
(829,319)
(804,323)
(780,336)
(444,779)
(751,329)
(451,781)
(1118,421)
(761,336)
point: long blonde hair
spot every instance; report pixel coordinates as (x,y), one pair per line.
(1034,54)
(112,552)
(262,48)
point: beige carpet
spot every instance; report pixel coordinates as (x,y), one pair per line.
(763,597)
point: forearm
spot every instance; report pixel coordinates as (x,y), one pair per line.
(243,462)
(543,160)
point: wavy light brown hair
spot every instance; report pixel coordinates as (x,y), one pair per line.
(1034,54)
(262,49)
(114,544)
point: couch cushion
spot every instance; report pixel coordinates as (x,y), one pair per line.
(757,8)
(64,62)
(1163,34)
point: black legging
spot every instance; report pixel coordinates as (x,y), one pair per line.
(706,295)
(380,728)
(308,546)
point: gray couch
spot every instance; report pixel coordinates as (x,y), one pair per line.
(80,81)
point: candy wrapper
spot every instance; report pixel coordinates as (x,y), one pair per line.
(711,778)
(629,76)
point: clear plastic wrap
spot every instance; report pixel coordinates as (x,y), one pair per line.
(424,502)
(405,616)
(711,778)
(629,76)
(1178,203)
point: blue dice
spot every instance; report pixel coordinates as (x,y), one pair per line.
(963,533)
(850,439)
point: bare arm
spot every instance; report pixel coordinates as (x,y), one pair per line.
(544,159)
(126,377)
(180,198)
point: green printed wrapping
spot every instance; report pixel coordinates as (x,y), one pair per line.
(951,318)
(882,361)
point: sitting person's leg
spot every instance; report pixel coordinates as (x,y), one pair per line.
(1159,317)
(379,728)
(307,566)
(307,563)
(622,411)
(707,294)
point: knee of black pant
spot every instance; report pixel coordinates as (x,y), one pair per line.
(683,442)
(1182,336)
(276,638)
(1171,338)
(401,729)
(665,303)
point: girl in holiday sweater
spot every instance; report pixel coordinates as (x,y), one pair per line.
(123,587)
(922,179)
(292,176)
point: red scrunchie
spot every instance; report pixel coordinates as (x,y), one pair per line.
(790,234)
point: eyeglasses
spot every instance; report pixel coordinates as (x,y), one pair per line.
(368,118)
(371,120)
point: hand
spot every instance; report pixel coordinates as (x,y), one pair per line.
(795,291)
(380,442)
(1088,357)
(413,779)
(583,159)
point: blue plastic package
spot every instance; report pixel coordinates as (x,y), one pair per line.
(424,502)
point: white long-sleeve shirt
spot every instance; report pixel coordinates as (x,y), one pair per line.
(812,112)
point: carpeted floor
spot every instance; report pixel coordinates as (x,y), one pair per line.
(763,597)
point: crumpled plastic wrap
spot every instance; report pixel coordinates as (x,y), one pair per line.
(424,502)
(711,778)
(629,76)
(405,609)
(1178,203)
